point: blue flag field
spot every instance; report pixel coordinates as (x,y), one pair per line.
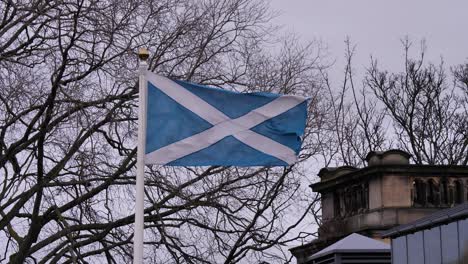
(193,125)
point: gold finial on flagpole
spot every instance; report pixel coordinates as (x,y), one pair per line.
(143,54)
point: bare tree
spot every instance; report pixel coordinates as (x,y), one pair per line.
(426,109)
(422,110)
(68,99)
(354,120)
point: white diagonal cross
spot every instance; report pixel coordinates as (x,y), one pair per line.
(223,126)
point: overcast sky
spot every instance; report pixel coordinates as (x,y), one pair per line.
(377,26)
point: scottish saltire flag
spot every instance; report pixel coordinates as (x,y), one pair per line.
(193,125)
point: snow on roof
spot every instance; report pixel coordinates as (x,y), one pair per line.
(353,243)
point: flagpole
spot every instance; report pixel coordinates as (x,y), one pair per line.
(140,176)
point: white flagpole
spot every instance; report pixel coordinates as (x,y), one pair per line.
(140,176)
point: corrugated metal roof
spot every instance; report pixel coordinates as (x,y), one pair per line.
(353,243)
(438,218)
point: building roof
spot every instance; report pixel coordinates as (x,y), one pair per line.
(353,243)
(435,219)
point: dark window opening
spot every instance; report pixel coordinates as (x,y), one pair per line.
(357,191)
(433,196)
(419,192)
(352,196)
(444,192)
(451,195)
(365,196)
(458,192)
(336,204)
(347,201)
(467,191)
(351,200)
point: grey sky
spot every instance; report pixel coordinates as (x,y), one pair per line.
(377,26)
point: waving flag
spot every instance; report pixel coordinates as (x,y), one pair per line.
(186,124)
(193,125)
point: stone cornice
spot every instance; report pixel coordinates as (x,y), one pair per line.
(376,171)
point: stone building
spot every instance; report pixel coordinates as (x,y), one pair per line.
(388,192)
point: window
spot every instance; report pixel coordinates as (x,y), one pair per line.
(451,195)
(458,192)
(351,200)
(419,192)
(433,196)
(347,201)
(336,204)
(444,192)
(357,192)
(365,196)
